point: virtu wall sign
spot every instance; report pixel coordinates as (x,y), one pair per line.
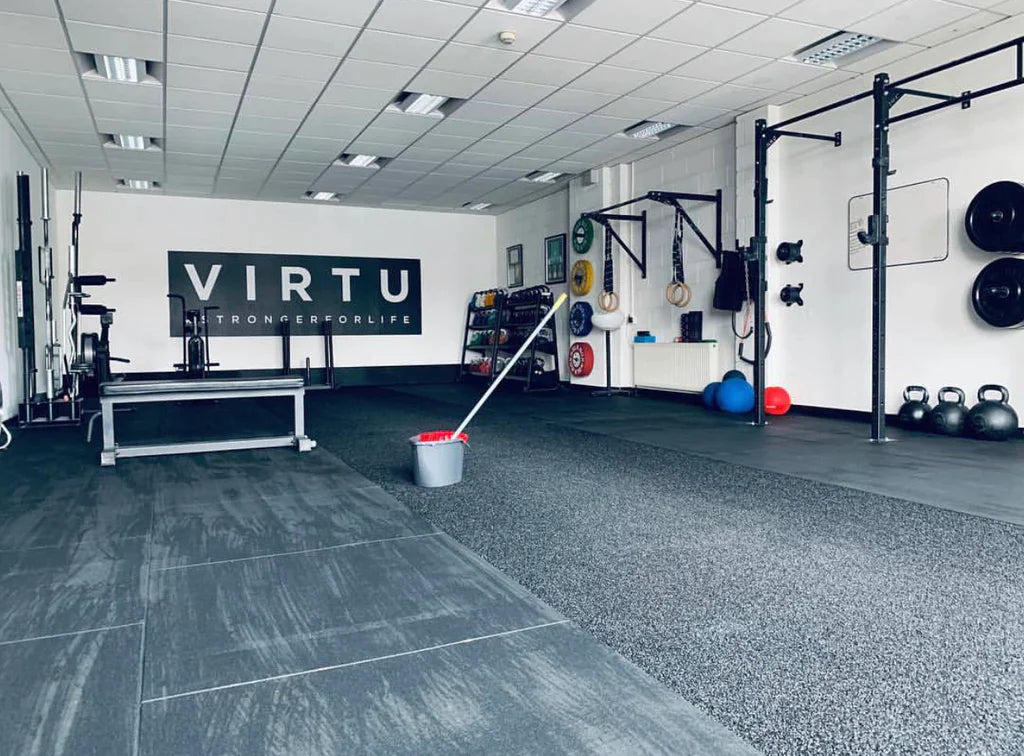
(255,293)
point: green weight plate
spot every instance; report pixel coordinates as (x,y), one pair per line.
(582,235)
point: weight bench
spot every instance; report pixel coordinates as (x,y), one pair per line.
(139,392)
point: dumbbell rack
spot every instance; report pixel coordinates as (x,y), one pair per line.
(488,351)
(523,317)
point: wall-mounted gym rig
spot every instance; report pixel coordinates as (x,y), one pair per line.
(884,94)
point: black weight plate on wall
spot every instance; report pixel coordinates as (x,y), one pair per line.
(998,294)
(995,217)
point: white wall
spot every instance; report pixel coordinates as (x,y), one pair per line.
(530,225)
(13,158)
(127,236)
(822,351)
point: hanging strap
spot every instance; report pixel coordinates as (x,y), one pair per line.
(609,270)
(678,275)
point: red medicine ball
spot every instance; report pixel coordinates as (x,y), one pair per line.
(776,400)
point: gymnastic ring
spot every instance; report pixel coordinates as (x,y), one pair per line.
(582,278)
(608,301)
(678,293)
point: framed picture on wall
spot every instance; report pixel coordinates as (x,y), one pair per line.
(515,265)
(554,259)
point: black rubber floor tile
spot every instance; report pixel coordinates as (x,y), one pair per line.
(231,622)
(245,526)
(549,690)
(61,589)
(57,521)
(71,695)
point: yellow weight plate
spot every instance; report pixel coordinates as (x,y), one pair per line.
(582,278)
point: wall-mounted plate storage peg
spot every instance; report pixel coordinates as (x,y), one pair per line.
(791,295)
(790,252)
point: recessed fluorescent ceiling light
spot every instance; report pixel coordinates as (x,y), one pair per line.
(138,184)
(648,129)
(360,161)
(546,177)
(835,46)
(533,7)
(130,141)
(421,104)
(477,205)
(116,68)
(321,196)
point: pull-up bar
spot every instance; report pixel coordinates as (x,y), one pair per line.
(672,199)
(884,95)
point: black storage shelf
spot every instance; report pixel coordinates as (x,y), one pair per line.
(538,307)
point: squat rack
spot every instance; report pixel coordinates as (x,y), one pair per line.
(884,95)
(604,217)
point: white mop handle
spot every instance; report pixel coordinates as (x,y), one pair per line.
(511,363)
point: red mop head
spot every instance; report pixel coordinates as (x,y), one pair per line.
(444,435)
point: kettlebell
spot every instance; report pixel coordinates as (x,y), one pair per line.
(914,411)
(948,418)
(992,419)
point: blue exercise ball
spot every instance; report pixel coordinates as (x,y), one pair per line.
(736,396)
(734,374)
(710,391)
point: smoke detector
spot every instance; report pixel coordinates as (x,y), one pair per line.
(507,37)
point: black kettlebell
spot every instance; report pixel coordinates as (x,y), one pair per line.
(914,411)
(992,420)
(948,418)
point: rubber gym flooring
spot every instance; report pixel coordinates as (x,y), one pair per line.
(792,589)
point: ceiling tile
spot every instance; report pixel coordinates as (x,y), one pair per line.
(401,49)
(305,36)
(138,14)
(58,107)
(911,18)
(266,124)
(113,40)
(191,99)
(581,43)
(781,74)
(707,25)
(352,12)
(721,65)
(542,118)
(272,107)
(297,65)
(513,93)
(674,88)
(541,69)
(635,108)
(573,100)
(43,83)
(635,18)
(127,111)
(612,80)
(829,13)
(447,84)
(364,73)
(37,31)
(284,88)
(357,97)
(730,97)
(473,59)
(488,112)
(208,118)
(187,19)
(884,57)
(769,7)
(207,53)
(212,79)
(601,125)
(341,114)
(35,60)
(657,55)
(423,18)
(103,89)
(516,132)
(776,38)
(957,29)
(457,126)
(31,7)
(484,27)
(154,129)
(399,121)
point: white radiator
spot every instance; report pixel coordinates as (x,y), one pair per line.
(675,367)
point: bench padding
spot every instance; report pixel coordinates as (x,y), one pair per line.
(206,385)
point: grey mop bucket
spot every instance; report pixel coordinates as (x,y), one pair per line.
(437,463)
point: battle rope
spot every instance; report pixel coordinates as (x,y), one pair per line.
(678,292)
(608,300)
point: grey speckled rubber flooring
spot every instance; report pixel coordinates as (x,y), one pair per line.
(807,617)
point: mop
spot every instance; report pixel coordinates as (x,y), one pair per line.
(444,437)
